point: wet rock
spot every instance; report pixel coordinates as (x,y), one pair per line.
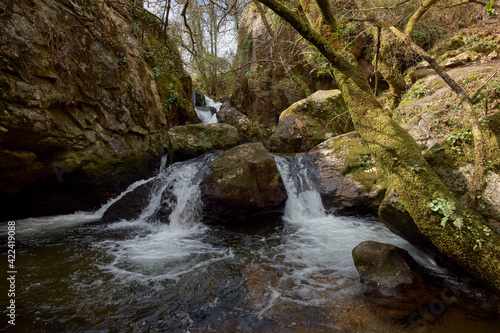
(383,265)
(346,176)
(311,121)
(199,99)
(191,141)
(243,184)
(132,204)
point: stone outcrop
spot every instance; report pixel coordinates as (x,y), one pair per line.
(346,176)
(132,204)
(85,103)
(191,141)
(311,121)
(243,185)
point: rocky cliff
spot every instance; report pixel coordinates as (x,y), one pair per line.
(277,68)
(88,91)
(276,73)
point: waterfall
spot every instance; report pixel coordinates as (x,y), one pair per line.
(304,201)
(208,114)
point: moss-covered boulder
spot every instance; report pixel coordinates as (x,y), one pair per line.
(191,141)
(243,185)
(346,175)
(311,121)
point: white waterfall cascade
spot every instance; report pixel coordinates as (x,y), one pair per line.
(321,239)
(204,114)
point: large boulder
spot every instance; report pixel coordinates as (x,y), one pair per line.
(346,176)
(249,131)
(384,265)
(311,121)
(243,184)
(191,141)
(82,113)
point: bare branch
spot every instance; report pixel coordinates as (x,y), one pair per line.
(183,14)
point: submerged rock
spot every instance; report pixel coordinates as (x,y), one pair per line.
(346,175)
(383,265)
(243,184)
(311,121)
(191,141)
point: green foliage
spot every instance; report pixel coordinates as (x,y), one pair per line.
(456,138)
(172,99)
(490,11)
(120,60)
(417,168)
(318,62)
(447,209)
(271,129)
(366,161)
(484,121)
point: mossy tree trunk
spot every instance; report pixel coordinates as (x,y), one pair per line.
(400,157)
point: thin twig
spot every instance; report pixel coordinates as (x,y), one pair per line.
(473,98)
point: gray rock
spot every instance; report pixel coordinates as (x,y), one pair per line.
(311,121)
(346,176)
(383,265)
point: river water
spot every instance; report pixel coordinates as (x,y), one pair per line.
(78,274)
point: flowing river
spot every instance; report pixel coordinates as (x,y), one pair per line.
(79,274)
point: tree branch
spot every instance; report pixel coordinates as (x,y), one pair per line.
(183,14)
(422,9)
(305,30)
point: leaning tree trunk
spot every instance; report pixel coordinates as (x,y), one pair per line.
(397,153)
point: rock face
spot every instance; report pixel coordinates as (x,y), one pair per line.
(383,265)
(311,121)
(82,113)
(191,141)
(346,176)
(242,185)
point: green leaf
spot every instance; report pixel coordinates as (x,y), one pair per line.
(459,223)
(490,5)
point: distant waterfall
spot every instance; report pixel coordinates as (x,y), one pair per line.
(208,114)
